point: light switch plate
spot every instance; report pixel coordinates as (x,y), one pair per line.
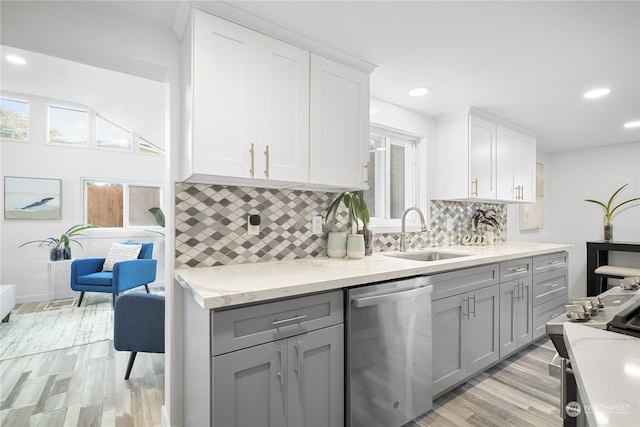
(316,225)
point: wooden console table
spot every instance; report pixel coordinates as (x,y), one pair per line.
(598,254)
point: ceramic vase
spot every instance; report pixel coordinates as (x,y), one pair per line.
(337,244)
(355,246)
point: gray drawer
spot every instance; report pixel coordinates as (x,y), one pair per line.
(248,326)
(549,285)
(515,269)
(544,263)
(545,312)
(465,280)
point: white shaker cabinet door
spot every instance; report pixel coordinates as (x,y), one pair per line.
(225,83)
(524,161)
(339,124)
(482,158)
(283,113)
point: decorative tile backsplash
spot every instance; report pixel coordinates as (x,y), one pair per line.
(211,224)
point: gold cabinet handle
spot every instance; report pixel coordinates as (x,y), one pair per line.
(252,151)
(266,166)
(474,190)
(368,166)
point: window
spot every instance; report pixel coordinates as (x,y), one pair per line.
(393,175)
(146,147)
(120,204)
(14,119)
(68,125)
(110,135)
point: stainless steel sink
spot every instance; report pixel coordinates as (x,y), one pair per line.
(427,255)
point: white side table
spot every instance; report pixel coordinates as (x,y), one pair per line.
(58,271)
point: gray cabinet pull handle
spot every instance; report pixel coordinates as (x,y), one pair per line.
(474,305)
(465,300)
(516,291)
(266,166)
(518,269)
(298,368)
(281,353)
(291,319)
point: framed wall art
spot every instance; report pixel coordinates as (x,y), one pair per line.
(31,198)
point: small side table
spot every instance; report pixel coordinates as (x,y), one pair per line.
(57,269)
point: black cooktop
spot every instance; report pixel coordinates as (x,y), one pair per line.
(627,321)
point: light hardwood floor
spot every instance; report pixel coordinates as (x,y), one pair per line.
(81,386)
(517,392)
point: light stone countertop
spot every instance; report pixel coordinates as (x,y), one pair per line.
(607,370)
(230,285)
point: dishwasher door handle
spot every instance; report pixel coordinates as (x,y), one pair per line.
(395,296)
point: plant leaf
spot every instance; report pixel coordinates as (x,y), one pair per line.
(158,215)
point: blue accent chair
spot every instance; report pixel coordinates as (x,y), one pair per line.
(87,274)
(138,325)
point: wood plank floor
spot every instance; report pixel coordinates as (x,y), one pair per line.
(81,386)
(517,392)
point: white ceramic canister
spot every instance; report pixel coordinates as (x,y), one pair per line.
(337,244)
(355,246)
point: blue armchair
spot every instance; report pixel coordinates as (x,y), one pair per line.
(138,325)
(87,274)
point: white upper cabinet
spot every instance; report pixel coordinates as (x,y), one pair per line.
(480,157)
(339,124)
(255,114)
(247,98)
(516,166)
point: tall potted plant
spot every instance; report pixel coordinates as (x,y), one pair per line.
(610,210)
(60,247)
(358,210)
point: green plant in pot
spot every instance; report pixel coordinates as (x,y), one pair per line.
(60,247)
(358,210)
(610,210)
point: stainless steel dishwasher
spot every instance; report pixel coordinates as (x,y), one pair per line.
(389,364)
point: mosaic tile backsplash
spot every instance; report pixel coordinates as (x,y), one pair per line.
(211,225)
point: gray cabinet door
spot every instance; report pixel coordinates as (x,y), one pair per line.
(449,341)
(483,327)
(509,292)
(524,320)
(315,373)
(249,386)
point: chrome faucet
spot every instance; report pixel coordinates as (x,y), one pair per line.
(403,237)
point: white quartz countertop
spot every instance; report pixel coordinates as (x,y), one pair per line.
(229,285)
(607,370)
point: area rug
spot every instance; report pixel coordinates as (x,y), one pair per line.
(47,330)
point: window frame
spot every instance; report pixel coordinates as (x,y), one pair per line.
(29,101)
(416,188)
(125,202)
(68,106)
(132,136)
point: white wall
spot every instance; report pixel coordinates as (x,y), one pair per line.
(90,33)
(574,176)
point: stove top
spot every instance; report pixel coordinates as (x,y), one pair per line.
(615,300)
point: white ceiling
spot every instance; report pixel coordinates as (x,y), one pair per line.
(527,62)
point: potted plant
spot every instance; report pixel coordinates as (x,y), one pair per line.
(482,219)
(610,210)
(60,247)
(358,210)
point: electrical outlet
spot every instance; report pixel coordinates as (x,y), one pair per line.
(253,225)
(316,225)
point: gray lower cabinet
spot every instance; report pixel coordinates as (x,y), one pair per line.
(296,381)
(516,318)
(465,325)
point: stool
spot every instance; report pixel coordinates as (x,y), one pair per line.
(611,271)
(7,301)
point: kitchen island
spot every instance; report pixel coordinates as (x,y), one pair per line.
(607,371)
(230,285)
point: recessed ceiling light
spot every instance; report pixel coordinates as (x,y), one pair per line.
(419,91)
(597,93)
(632,124)
(16,59)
